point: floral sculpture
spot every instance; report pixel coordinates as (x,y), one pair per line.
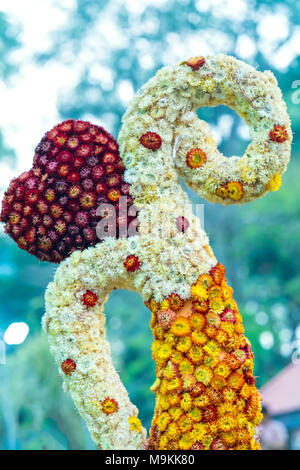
(153,244)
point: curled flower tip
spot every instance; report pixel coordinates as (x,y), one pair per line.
(182,224)
(89,298)
(109,406)
(151,140)
(68,366)
(195,158)
(132,263)
(278,134)
(196,62)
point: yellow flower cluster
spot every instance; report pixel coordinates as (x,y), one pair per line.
(205,389)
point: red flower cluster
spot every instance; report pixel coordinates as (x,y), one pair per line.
(50,211)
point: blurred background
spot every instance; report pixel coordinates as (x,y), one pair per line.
(85,59)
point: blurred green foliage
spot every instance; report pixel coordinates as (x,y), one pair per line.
(258,243)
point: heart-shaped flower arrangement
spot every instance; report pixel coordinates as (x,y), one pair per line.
(51,210)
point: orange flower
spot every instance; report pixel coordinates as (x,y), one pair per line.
(200,306)
(218,382)
(209,414)
(163,421)
(205,280)
(222,191)
(236,380)
(195,354)
(203,374)
(188,382)
(181,326)
(151,140)
(235,190)
(186,367)
(175,301)
(195,414)
(213,319)
(198,337)
(218,273)
(232,361)
(197,390)
(197,321)
(196,62)
(239,327)
(221,337)
(195,158)
(214,291)
(211,331)
(113,194)
(109,406)
(185,423)
(278,134)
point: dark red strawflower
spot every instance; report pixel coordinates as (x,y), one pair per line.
(75,163)
(151,140)
(278,134)
(89,298)
(68,366)
(132,263)
(182,224)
